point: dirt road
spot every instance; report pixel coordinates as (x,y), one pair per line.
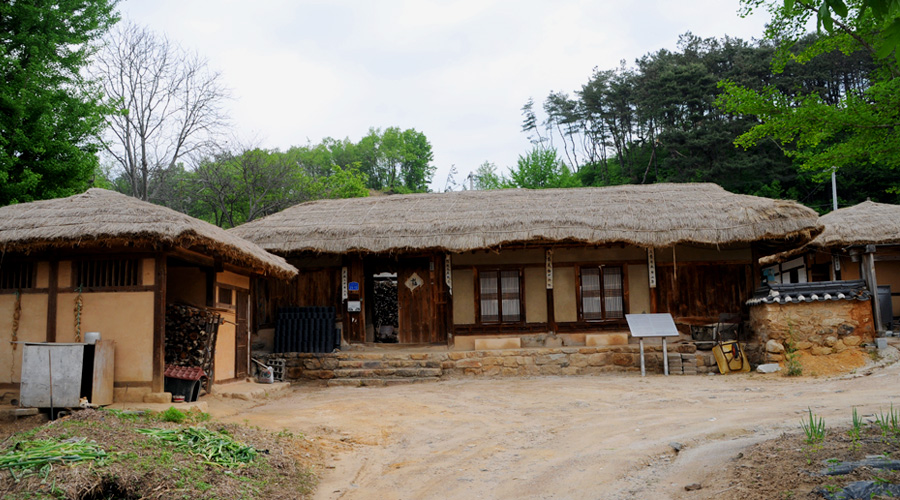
(597,437)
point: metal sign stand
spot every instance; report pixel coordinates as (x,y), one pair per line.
(652,325)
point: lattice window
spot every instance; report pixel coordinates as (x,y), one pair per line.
(226,296)
(501,296)
(17,276)
(107,273)
(602,293)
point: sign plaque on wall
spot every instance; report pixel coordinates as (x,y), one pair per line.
(448,273)
(414,282)
(548,267)
(651,267)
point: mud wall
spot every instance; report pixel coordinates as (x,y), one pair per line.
(820,328)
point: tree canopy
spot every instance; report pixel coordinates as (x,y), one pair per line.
(49,114)
(855,128)
(663,120)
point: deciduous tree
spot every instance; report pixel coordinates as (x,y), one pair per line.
(168,102)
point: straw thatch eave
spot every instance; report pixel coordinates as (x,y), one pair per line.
(868,223)
(99,219)
(658,215)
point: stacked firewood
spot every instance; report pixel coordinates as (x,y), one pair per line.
(385,310)
(191,336)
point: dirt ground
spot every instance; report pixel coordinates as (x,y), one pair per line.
(592,437)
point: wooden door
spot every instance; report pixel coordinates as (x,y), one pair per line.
(418,296)
(241,334)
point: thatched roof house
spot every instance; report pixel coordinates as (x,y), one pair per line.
(100,219)
(105,262)
(657,215)
(522,262)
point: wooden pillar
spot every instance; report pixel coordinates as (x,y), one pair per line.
(867,263)
(448,297)
(159,323)
(52,298)
(551,312)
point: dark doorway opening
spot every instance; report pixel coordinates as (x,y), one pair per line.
(385,307)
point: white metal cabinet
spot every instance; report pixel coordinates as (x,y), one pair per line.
(52,374)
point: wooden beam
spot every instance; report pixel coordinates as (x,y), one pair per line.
(868,264)
(551,313)
(159,323)
(193,257)
(52,299)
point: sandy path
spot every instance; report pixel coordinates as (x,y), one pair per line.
(553,437)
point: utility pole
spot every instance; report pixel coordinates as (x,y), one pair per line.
(834,188)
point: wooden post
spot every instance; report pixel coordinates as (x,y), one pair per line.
(159,323)
(652,277)
(868,264)
(551,312)
(52,295)
(665,358)
(643,370)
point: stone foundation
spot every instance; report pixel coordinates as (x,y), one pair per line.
(819,328)
(499,363)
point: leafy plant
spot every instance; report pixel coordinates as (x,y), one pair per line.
(217,448)
(37,457)
(792,366)
(173,415)
(889,423)
(814,428)
(855,429)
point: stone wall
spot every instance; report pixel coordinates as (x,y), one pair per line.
(820,328)
(498,363)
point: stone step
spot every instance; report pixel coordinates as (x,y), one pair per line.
(12,413)
(387,372)
(378,382)
(388,363)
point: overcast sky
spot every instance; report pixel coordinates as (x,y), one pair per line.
(459,71)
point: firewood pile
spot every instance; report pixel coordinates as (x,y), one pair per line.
(191,337)
(385,310)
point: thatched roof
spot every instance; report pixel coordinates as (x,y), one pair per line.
(868,223)
(101,218)
(657,215)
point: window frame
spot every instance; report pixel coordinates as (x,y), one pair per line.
(232,296)
(623,271)
(21,268)
(137,270)
(498,270)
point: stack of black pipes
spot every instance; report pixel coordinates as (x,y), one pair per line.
(306,329)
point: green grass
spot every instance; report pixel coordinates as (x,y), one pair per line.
(814,428)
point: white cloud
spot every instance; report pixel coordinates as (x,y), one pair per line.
(457,70)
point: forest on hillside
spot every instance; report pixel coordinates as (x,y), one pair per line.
(662,120)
